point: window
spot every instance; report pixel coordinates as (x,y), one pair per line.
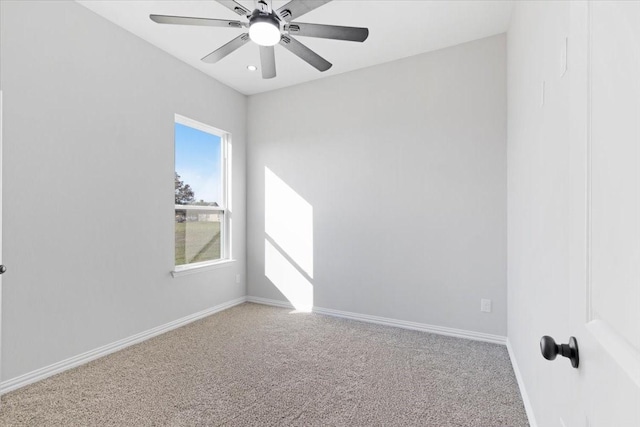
(201,194)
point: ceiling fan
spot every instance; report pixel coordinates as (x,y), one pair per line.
(268,28)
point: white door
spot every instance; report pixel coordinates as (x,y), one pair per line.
(604,62)
(2,269)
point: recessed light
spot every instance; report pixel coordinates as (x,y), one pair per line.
(252,67)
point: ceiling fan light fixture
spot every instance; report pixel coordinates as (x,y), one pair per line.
(267,27)
(264,29)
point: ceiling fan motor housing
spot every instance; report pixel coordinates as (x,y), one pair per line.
(259,16)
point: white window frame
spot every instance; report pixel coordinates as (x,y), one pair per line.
(225,208)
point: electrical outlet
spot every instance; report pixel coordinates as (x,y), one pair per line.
(485,305)
(238,278)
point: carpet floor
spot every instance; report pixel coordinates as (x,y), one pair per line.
(255,365)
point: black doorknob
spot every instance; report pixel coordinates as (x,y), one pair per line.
(2,269)
(550,349)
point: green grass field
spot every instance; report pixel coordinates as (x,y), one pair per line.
(197,241)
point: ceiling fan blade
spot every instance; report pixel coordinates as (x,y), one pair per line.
(235,7)
(205,22)
(296,8)
(225,50)
(306,54)
(268,62)
(353,34)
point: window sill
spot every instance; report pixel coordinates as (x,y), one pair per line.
(201,268)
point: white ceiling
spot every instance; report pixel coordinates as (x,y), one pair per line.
(397,29)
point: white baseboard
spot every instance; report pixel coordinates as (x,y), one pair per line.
(440,330)
(72,362)
(272,302)
(523,391)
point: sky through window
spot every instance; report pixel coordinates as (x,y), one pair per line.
(198,162)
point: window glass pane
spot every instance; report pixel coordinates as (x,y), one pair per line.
(198,236)
(198,182)
(198,167)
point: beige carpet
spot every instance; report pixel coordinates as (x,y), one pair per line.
(255,365)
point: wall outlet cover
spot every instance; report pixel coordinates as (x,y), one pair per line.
(485,305)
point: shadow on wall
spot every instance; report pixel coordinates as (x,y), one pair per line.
(288,243)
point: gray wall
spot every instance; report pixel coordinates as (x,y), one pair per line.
(538,206)
(404,168)
(88,184)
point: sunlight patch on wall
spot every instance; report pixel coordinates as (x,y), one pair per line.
(289,221)
(293,285)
